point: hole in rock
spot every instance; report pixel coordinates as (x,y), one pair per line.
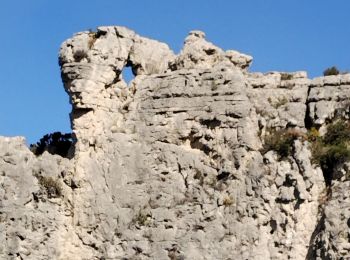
(222,176)
(127,74)
(273,224)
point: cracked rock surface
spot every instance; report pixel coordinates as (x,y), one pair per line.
(170,166)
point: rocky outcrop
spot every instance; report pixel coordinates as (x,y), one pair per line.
(328,97)
(36,207)
(170,165)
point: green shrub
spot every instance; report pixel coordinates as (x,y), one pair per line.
(328,157)
(286,76)
(337,133)
(51,186)
(332,156)
(331,150)
(313,134)
(281,141)
(328,151)
(331,71)
(55,143)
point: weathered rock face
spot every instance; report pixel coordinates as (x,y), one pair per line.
(329,96)
(170,166)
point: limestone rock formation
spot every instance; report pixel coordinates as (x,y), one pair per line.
(170,166)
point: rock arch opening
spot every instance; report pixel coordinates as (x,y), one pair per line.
(127,74)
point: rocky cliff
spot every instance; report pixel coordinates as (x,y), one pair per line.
(173,165)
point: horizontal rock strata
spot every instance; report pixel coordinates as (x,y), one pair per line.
(170,165)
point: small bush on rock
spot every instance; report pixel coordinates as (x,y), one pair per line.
(329,157)
(55,143)
(332,150)
(281,141)
(51,186)
(286,76)
(337,133)
(331,71)
(313,134)
(142,218)
(228,201)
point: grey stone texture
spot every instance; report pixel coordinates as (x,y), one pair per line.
(170,166)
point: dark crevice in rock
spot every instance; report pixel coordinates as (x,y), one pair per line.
(20,237)
(179,168)
(174,253)
(315,245)
(273,225)
(179,111)
(35,197)
(209,51)
(348,222)
(80,55)
(100,33)
(308,122)
(196,143)
(92,245)
(115,80)
(79,112)
(234,115)
(71,183)
(211,124)
(19,256)
(289,182)
(161,113)
(117,33)
(282,201)
(284,225)
(222,176)
(328,176)
(299,200)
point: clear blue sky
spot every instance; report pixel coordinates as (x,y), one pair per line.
(285,35)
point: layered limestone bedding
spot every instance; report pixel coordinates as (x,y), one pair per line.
(170,165)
